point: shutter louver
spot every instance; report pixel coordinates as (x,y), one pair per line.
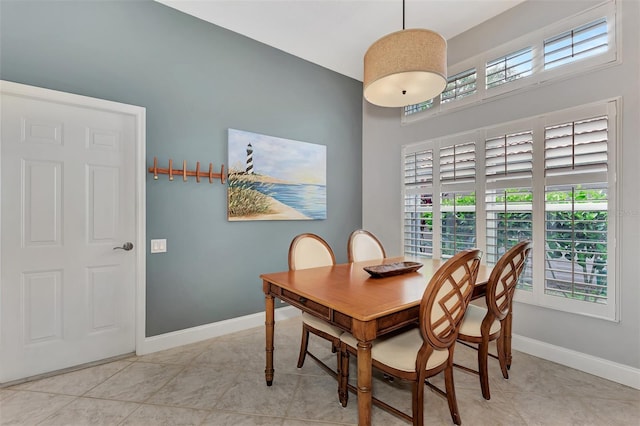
(576,147)
(458,163)
(418,225)
(418,168)
(509,156)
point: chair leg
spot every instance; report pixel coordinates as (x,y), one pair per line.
(304,344)
(451,395)
(343,377)
(417,403)
(506,327)
(483,370)
(502,355)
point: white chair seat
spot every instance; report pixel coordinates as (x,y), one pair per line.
(321,325)
(400,351)
(472,321)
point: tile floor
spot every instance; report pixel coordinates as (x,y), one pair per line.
(221,382)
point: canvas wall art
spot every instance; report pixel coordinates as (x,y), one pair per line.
(272,178)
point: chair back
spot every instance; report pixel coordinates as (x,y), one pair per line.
(504,278)
(446,299)
(309,251)
(363,245)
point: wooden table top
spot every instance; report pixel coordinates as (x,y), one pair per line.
(349,289)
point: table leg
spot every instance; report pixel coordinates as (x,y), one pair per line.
(269,323)
(343,376)
(364,383)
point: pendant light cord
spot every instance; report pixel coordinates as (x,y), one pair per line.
(403,14)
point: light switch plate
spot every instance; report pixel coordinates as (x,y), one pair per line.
(159,246)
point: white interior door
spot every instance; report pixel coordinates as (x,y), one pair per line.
(68,182)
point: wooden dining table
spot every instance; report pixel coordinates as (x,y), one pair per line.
(347,296)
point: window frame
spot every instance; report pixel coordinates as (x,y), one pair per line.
(538,183)
(539,76)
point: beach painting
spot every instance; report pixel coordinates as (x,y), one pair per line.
(272,178)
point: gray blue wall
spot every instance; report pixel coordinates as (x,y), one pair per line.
(383,137)
(196,80)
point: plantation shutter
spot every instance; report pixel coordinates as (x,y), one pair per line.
(508,195)
(458,163)
(509,156)
(510,67)
(582,42)
(459,86)
(576,147)
(457,197)
(577,196)
(418,206)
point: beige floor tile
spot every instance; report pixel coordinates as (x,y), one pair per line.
(615,412)
(553,409)
(296,422)
(244,353)
(29,408)
(195,387)
(6,393)
(181,355)
(155,415)
(136,383)
(317,399)
(221,418)
(89,411)
(76,382)
(250,394)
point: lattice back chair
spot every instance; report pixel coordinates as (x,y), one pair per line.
(363,245)
(482,325)
(311,251)
(426,350)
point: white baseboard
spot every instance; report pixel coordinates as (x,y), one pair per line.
(208,331)
(600,367)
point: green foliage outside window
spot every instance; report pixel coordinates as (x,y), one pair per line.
(573,235)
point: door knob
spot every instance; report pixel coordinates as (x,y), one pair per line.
(126,246)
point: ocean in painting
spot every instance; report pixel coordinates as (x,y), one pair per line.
(310,200)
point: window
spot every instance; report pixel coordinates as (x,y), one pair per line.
(579,43)
(423,106)
(457,198)
(418,212)
(509,68)
(576,209)
(576,242)
(548,178)
(458,222)
(459,86)
(509,221)
(509,196)
(576,45)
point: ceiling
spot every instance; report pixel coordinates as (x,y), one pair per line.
(336,33)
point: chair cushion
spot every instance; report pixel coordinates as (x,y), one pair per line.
(400,351)
(321,325)
(473,320)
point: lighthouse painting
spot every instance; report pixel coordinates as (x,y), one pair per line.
(272,178)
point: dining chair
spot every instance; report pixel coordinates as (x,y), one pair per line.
(427,349)
(363,245)
(483,324)
(311,251)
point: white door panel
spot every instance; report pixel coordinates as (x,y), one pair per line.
(67,297)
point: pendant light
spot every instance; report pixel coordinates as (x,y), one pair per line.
(405,67)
